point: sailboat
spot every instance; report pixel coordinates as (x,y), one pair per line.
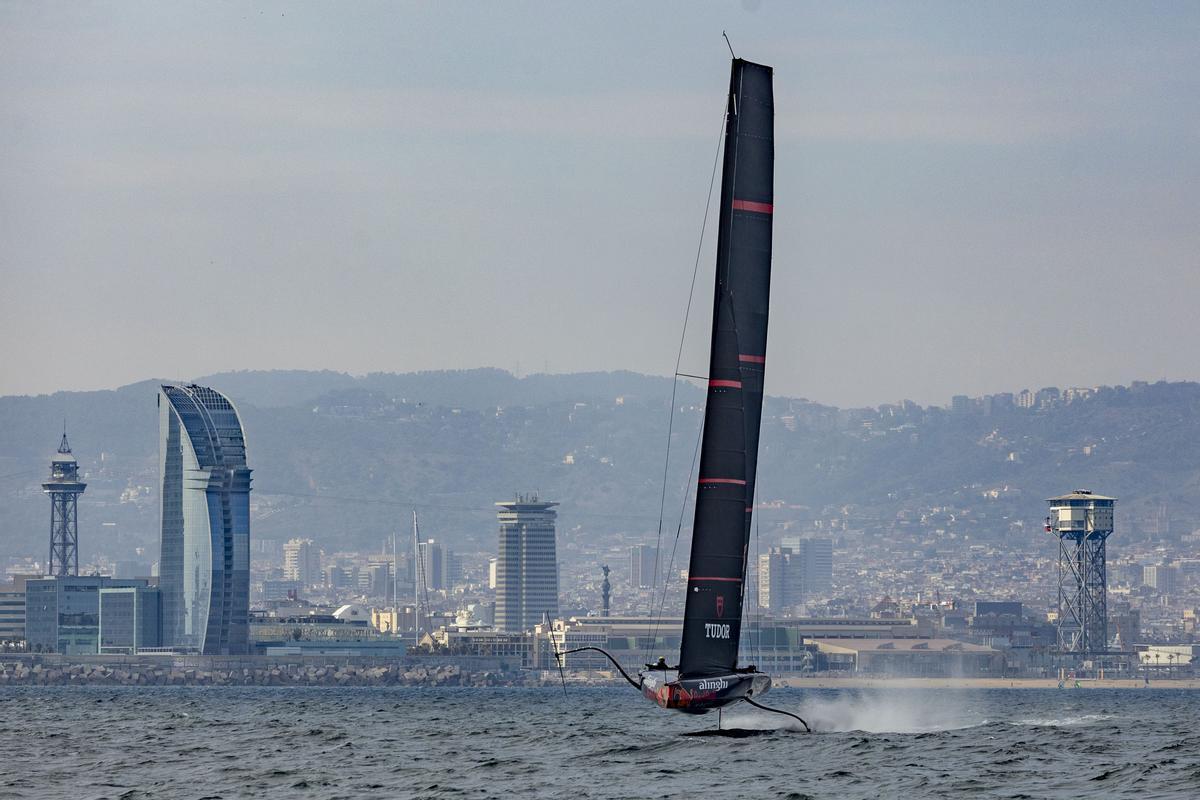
(707,676)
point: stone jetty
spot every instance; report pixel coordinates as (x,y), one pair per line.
(27,673)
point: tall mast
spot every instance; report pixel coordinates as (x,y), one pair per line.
(416,585)
(729,449)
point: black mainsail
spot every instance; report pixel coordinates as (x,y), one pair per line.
(707,676)
(729,450)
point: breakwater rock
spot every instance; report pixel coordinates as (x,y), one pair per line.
(168,674)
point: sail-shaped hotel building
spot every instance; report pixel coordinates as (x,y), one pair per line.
(204,565)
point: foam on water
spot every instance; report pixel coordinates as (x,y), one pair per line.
(1061,722)
(592,744)
(867,711)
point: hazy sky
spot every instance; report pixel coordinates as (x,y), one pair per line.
(969,197)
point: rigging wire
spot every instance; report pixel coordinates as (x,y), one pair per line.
(674,547)
(757,649)
(732,176)
(421,587)
(558,657)
(662,503)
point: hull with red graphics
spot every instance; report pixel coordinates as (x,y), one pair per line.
(701,695)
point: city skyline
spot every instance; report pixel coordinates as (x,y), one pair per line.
(419,397)
(948,178)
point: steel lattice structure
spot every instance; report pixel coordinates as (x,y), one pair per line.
(64,488)
(1082,522)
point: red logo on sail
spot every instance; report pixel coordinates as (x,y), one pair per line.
(720,605)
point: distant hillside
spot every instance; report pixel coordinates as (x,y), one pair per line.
(475,389)
(342,459)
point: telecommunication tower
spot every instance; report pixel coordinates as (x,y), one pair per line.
(1082,522)
(64,488)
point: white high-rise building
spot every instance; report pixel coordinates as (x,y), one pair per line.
(302,562)
(526,563)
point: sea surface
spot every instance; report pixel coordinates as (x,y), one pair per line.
(97,742)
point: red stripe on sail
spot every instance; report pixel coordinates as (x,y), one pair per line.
(726,384)
(750,205)
(752,359)
(734,481)
(722,580)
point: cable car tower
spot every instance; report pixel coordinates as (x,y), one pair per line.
(64,488)
(1082,522)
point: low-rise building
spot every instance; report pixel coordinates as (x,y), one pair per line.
(1168,660)
(12,611)
(513,649)
(320,632)
(286,590)
(772,644)
(941,658)
(62,613)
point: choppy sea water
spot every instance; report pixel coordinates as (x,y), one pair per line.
(98,742)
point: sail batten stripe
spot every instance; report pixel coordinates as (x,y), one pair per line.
(729,446)
(750,205)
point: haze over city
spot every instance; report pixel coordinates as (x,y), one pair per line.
(354,440)
(978,198)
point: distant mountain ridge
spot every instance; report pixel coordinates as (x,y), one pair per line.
(341,458)
(474,389)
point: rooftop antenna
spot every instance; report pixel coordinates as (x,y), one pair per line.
(727,44)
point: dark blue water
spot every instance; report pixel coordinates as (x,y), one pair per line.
(262,742)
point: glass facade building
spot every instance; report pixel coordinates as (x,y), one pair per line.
(130,619)
(204,563)
(62,613)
